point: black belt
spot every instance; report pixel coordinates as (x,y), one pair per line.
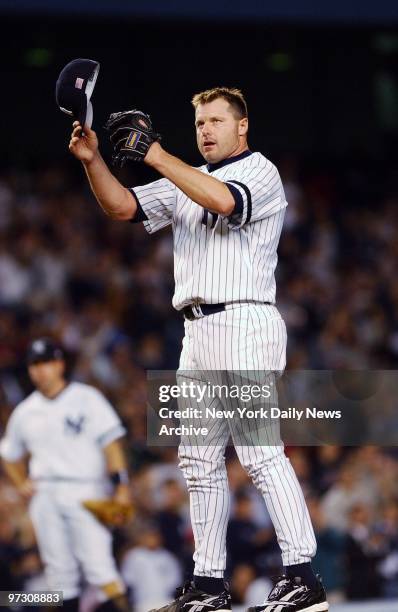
(197,311)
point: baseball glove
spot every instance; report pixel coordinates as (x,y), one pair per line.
(131,135)
(110,512)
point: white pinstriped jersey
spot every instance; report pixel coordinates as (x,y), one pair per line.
(213,262)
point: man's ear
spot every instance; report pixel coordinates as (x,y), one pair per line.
(243,126)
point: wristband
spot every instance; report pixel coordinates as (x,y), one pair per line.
(120,477)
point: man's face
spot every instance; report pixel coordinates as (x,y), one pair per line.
(47,375)
(219,132)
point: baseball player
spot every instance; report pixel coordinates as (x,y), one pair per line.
(227,218)
(71,435)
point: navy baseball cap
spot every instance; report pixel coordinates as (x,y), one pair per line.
(44,349)
(74,88)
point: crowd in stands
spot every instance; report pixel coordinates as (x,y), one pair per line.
(104,289)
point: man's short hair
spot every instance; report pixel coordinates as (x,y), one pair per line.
(232,95)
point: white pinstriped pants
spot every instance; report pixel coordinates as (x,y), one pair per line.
(247,337)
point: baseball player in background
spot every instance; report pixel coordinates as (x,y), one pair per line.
(71,436)
(227,218)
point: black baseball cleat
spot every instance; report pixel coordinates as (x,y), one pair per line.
(190,599)
(289,595)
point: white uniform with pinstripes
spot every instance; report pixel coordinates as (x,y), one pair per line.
(65,439)
(231,260)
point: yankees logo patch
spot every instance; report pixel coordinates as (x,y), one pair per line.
(74,426)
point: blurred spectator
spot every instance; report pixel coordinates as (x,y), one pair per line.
(241,533)
(173,517)
(330,555)
(148,560)
(241,579)
(238,480)
(343,495)
(365,548)
(327,461)
(387,526)
(247,543)
(299,459)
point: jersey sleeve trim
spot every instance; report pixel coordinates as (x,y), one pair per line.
(10,452)
(242,212)
(112,434)
(237,196)
(140,215)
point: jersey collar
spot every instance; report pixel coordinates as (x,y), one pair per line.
(60,392)
(228,160)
